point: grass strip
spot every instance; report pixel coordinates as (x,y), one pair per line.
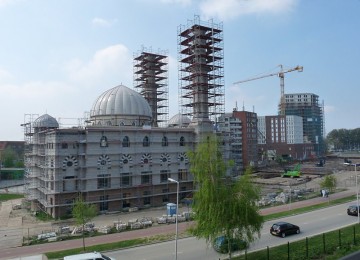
(10,196)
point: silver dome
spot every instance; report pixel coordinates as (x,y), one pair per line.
(46,121)
(179,120)
(121,100)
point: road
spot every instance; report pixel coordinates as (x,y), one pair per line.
(312,223)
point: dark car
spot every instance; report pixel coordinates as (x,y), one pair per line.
(221,244)
(352,210)
(283,229)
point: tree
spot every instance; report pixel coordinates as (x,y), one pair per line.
(83,213)
(222,206)
(344,139)
(8,158)
(329,183)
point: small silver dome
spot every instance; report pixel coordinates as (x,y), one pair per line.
(46,121)
(121,100)
(179,120)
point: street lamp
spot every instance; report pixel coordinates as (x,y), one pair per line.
(357,195)
(177,207)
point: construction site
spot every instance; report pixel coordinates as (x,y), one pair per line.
(125,150)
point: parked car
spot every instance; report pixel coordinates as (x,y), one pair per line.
(283,229)
(88,256)
(221,243)
(352,210)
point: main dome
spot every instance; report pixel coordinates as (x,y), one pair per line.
(121,100)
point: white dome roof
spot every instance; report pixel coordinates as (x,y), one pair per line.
(121,100)
(46,121)
(179,120)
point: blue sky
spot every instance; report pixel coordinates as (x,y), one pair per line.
(57,57)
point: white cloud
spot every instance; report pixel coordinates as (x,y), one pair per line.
(36,97)
(181,2)
(228,9)
(35,91)
(329,109)
(4,75)
(5,2)
(113,61)
(102,22)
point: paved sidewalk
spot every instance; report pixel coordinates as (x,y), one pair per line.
(156,230)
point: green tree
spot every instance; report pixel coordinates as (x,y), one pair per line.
(83,213)
(329,183)
(222,206)
(8,158)
(344,138)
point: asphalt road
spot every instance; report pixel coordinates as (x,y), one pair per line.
(312,223)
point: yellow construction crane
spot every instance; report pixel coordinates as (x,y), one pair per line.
(280,74)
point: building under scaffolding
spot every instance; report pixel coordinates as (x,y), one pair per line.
(201,71)
(116,162)
(151,81)
(307,106)
(123,157)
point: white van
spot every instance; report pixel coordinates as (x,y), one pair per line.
(88,256)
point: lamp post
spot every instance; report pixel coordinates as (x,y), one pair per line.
(357,195)
(176,218)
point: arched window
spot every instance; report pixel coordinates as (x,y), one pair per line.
(182,141)
(165,141)
(126,142)
(146,141)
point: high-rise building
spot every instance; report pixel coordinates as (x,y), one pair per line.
(307,106)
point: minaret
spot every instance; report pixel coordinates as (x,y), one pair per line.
(151,81)
(201,73)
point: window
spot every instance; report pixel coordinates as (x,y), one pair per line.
(146,141)
(64,145)
(126,202)
(103,181)
(126,142)
(103,141)
(182,141)
(165,197)
(147,197)
(126,179)
(164,175)
(145,179)
(104,203)
(182,175)
(165,141)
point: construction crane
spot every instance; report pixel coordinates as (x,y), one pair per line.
(280,74)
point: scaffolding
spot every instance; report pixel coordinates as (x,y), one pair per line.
(29,180)
(201,70)
(151,81)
